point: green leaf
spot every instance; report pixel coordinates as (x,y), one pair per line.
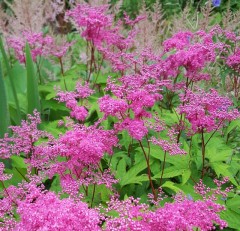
(131,176)
(18,176)
(32,84)
(116,157)
(4,112)
(232,218)
(11,78)
(223,169)
(171,185)
(234,124)
(181,161)
(56,185)
(126,139)
(121,168)
(185,176)
(234,203)
(217,150)
(18,162)
(170,172)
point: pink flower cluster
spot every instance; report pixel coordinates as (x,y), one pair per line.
(183,214)
(23,138)
(57,214)
(3,176)
(41,210)
(190,52)
(98,27)
(207,111)
(234,61)
(71,99)
(86,145)
(94,20)
(133,93)
(40,46)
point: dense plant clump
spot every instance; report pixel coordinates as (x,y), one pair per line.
(120,138)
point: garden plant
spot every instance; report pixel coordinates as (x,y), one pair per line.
(119,118)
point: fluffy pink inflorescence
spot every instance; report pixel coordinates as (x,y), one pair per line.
(40,46)
(135,128)
(186,215)
(170,147)
(189,53)
(207,111)
(113,107)
(182,214)
(71,99)
(86,145)
(178,41)
(3,176)
(234,61)
(94,20)
(23,137)
(47,212)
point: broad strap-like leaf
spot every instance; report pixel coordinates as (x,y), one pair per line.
(11,78)
(4,113)
(32,84)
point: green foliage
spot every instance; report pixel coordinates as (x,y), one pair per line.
(4,113)
(33,101)
(12,83)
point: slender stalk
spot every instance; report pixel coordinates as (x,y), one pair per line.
(94,190)
(213,133)
(163,167)
(203,154)
(149,171)
(182,117)
(92,61)
(62,72)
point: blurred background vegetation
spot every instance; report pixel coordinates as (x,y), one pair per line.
(170,7)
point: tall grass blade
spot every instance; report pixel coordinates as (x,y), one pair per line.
(11,78)
(32,84)
(4,113)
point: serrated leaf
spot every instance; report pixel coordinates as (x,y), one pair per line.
(171,185)
(223,169)
(131,176)
(170,172)
(181,161)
